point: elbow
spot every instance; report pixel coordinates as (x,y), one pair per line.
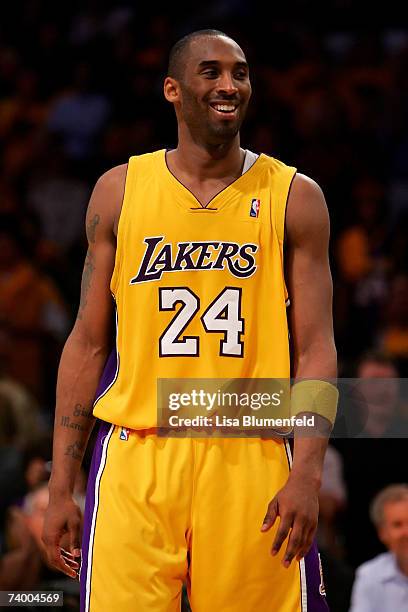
(318,360)
(93,343)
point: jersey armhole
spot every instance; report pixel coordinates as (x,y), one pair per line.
(127,197)
(285,182)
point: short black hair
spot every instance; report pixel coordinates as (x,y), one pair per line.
(177,52)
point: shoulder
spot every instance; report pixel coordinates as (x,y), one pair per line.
(306,210)
(374,568)
(106,200)
(305,187)
(113,179)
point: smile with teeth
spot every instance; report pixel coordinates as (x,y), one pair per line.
(224,108)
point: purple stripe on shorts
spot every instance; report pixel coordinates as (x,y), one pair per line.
(106,380)
(316,596)
(90,504)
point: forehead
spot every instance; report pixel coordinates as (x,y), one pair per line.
(213,49)
(372,369)
(397,510)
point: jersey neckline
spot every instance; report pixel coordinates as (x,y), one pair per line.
(188,200)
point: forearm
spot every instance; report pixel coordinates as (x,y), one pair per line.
(310,443)
(78,376)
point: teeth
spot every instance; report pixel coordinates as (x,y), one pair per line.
(224,108)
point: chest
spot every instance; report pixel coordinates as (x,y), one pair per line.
(205,192)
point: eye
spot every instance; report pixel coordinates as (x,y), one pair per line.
(210,73)
(241,74)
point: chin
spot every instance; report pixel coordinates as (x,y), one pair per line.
(223,133)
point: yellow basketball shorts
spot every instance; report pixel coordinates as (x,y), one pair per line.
(163,511)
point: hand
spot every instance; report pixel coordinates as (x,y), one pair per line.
(62,535)
(298,508)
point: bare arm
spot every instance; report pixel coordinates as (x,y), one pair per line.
(81,365)
(311,323)
(314,356)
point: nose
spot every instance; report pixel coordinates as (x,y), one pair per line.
(226,83)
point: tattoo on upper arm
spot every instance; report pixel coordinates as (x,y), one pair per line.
(89,268)
(91,228)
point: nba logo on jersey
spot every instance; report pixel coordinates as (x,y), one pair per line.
(255,206)
(124,434)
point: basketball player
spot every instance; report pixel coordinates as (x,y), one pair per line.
(190,244)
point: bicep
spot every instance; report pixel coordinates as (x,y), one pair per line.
(96,304)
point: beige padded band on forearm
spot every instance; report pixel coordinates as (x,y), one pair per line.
(317,396)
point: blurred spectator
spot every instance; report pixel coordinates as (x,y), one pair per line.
(36,461)
(25,410)
(332,502)
(362,263)
(31,312)
(25,106)
(79,115)
(58,197)
(394,336)
(338,576)
(20,559)
(11,471)
(375,456)
(382,583)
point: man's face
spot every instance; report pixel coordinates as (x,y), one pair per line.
(378,387)
(394,530)
(215,89)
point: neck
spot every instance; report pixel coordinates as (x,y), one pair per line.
(402,563)
(205,161)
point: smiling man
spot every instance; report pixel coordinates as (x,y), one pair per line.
(190,242)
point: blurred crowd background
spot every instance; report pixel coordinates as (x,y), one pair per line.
(81,91)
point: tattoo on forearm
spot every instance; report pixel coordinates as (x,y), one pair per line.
(66,422)
(75,450)
(89,268)
(91,228)
(80,410)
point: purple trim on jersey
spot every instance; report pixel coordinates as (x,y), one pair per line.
(108,375)
(316,602)
(90,504)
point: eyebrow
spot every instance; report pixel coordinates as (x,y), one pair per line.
(204,63)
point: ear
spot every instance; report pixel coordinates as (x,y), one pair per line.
(382,535)
(171,90)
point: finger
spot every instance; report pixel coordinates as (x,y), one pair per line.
(60,563)
(69,559)
(54,556)
(307,545)
(270,516)
(74,528)
(295,544)
(282,533)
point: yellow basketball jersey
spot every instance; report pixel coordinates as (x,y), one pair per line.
(199,292)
